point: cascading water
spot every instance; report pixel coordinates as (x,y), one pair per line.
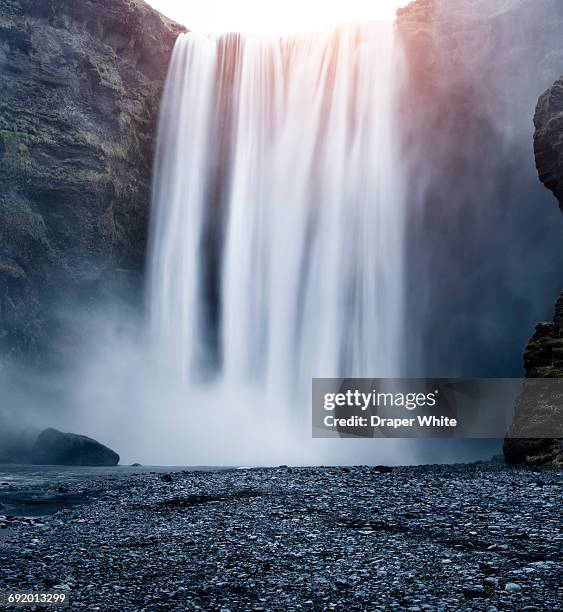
(278,213)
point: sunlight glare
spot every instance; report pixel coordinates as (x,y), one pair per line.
(282,17)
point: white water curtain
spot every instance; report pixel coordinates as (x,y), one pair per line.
(278,210)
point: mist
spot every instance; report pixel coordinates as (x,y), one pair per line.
(484,235)
(109,386)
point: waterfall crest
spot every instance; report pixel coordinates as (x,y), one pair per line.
(277,231)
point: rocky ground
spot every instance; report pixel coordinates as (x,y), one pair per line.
(477,537)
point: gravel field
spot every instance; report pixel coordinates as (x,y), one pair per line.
(473,537)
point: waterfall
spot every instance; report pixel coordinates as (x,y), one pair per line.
(277,230)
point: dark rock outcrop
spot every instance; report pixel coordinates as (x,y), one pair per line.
(53,447)
(81,82)
(539,408)
(548,139)
(543,356)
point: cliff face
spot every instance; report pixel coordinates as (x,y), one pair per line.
(81,82)
(461,54)
(543,357)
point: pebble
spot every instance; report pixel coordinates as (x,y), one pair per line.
(299,538)
(473,590)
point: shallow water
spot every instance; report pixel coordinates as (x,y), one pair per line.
(31,490)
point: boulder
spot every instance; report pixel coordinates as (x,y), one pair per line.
(54,447)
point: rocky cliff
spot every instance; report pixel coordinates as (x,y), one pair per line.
(548,139)
(543,356)
(81,82)
(540,405)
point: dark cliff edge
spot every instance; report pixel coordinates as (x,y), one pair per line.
(548,139)
(543,356)
(81,82)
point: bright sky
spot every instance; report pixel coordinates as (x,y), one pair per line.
(269,17)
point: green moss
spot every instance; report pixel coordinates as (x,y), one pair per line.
(107,148)
(16,153)
(552,456)
(551,371)
(109,75)
(22,219)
